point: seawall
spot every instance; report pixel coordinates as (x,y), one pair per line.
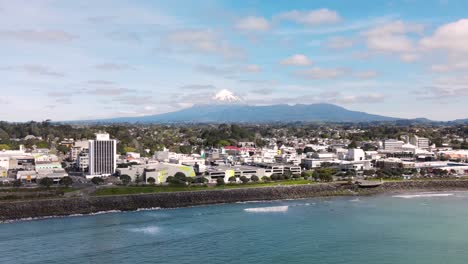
(93,204)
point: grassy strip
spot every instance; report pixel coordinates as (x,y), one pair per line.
(36,189)
(122,190)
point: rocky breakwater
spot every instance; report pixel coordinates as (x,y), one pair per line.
(94,204)
(424,185)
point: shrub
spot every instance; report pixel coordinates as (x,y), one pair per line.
(307,174)
(125,179)
(287,175)
(180,175)
(275,177)
(97,180)
(244,179)
(17,183)
(254,178)
(232,179)
(189,180)
(220,181)
(151,180)
(170,179)
(200,180)
(66,181)
(266,179)
(176,180)
(46,182)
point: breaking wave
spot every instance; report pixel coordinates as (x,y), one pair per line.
(150,230)
(423,195)
(272,209)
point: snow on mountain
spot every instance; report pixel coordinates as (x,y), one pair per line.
(226,96)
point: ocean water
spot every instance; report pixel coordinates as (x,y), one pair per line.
(416,228)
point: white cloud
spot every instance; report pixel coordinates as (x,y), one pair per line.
(112,67)
(409,57)
(366,74)
(339,43)
(451,37)
(253,68)
(451,66)
(297,60)
(108,91)
(311,18)
(445,88)
(44,36)
(34,69)
(359,99)
(321,73)
(203,41)
(392,37)
(253,24)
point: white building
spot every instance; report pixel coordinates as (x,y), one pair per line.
(356,155)
(77,148)
(393,145)
(102,156)
(419,142)
(82,162)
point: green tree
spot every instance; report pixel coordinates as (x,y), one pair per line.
(352,145)
(97,180)
(125,179)
(220,181)
(170,179)
(223,143)
(180,175)
(254,178)
(151,180)
(46,182)
(266,179)
(307,174)
(189,180)
(4,147)
(66,181)
(200,180)
(63,149)
(287,175)
(244,179)
(275,177)
(232,179)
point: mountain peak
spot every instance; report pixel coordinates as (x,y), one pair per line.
(226,96)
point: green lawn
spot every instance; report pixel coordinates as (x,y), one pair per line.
(37,189)
(121,190)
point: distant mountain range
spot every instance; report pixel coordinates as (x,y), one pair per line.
(239,113)
(225,107)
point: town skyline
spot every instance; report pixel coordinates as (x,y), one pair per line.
(400,59)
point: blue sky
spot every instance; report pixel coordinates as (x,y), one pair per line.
(64,60)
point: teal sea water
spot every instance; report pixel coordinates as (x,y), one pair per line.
(385,229)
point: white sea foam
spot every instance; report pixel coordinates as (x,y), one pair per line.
(57,216)
(423,195)
(355,200)
(148,209)
(272,209)
(150,230)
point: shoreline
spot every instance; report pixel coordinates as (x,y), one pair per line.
(62,207)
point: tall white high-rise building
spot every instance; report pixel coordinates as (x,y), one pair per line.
(420,142)
(102,155)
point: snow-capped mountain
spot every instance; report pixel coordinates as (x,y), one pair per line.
(225,96)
